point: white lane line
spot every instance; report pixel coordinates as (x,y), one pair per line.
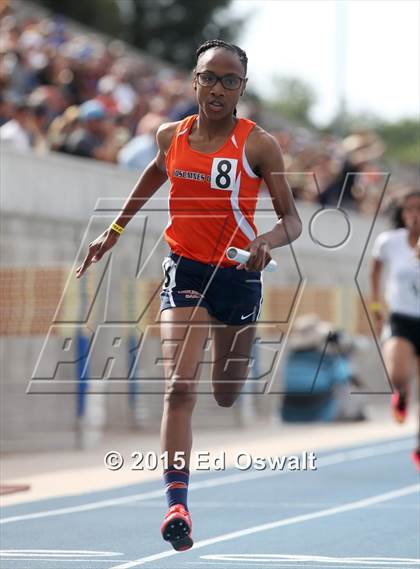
(216,481)
(350,506)
(321,559)
(53,559)
(331,564)
(272,564)
(84,507)
(57,553)
(62,555)
(307,565)
(227,505)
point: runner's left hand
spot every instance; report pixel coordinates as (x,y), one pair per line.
(260,256)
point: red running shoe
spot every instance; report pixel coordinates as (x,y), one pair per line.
(399,406)
(415,455)
(176,528)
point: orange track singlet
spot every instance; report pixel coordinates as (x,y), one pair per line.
(212,197)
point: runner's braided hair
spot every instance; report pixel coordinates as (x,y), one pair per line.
(209,44)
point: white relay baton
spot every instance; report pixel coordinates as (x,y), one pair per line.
(241,256)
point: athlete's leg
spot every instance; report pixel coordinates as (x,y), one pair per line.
(399,361)
(184,332)
(232,347)
(415,455)
(418,403)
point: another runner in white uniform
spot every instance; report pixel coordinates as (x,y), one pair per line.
(398,253)
(402,290)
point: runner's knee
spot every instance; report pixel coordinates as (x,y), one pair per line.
(181,392)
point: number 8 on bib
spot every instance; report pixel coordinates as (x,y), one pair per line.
(223,173)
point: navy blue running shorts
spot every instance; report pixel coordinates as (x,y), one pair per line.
(233,297)
(407,327)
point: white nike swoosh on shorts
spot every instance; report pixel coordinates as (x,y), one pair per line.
(247,315)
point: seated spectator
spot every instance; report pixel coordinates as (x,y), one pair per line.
(359,150)
(15,132)
(38,127)
(6,109)
(90,136)
(106,87)
(180,99)
(62,127)
(50,97)
(316,380)
(15,68)
(118,135)
(122,91)
(141,149)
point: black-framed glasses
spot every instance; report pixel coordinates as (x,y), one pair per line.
(209,79)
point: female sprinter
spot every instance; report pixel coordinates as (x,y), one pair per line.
(398,251)
(215,163)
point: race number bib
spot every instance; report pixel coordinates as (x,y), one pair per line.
(223,173)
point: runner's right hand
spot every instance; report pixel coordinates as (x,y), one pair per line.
(97,249)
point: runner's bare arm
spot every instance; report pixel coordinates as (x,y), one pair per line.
(264,153)
(375,306)
(148,183)
(375,280)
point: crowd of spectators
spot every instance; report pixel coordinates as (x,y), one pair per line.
(70,91)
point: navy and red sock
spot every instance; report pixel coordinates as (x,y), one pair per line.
(176,486)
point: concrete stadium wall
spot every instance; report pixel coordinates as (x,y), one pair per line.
(52,207)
